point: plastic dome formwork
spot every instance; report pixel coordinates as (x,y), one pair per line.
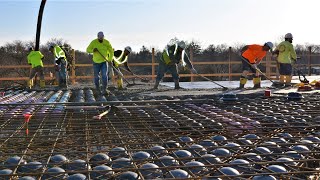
(77,165)
(118,152)
(55,173)
(253,157)
(151,171)
(208,144)
(229,171)
(294,155)
(178,174)
(183,155)
(221,152)
(197,150)
(264,177)
(6,172)
(197,168)
(121,163)
(59,161)
(172,144)
(242,165)
(13,162)
(233,146)
(186,139)
(101,172)
(99,159)
(140,156)
(165,161)
(287,161)
(31,167)
(158,151)
(77,176)
(209,159)
(129,175)
(27,178)
(218,138)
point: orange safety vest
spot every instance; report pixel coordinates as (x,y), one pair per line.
(254,53)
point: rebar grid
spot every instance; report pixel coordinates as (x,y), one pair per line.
(249,126)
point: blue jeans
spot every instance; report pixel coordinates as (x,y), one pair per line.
(63,72)
(103,68)
(163,68)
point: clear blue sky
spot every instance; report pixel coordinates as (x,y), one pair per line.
(154,22)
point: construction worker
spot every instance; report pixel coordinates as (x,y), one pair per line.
(252,55)
(121,57)
(286,57)
(60,64)
(35,60)
(102,54)
(170,58)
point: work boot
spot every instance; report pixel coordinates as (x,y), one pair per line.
(42,83)
(257,82)
(29,83)
(156,84)
(288,79)
(120,83)
(243,81)
(176,84)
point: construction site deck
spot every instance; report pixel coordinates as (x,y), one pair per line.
(191,133)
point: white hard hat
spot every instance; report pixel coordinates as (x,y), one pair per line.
(182,44)
(288,36)
(269,44)
(128,48)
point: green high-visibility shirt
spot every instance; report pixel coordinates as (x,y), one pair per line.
(59,53)
(35,58)
(286,52)
(104,48)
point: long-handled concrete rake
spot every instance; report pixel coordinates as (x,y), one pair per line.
(224,88)
(117,71)
(142,79)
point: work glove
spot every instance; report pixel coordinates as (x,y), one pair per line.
(95,49)
(194,71)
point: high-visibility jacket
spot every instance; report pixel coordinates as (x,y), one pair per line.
(286,52)
(254,53)
(35,58)
(171,55)
(119,58)
(104,48)
(59,53)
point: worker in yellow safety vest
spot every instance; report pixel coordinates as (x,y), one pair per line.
(60,64)
(120,58)
(172,55)
(102,54)
(35,60)
(286,57)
